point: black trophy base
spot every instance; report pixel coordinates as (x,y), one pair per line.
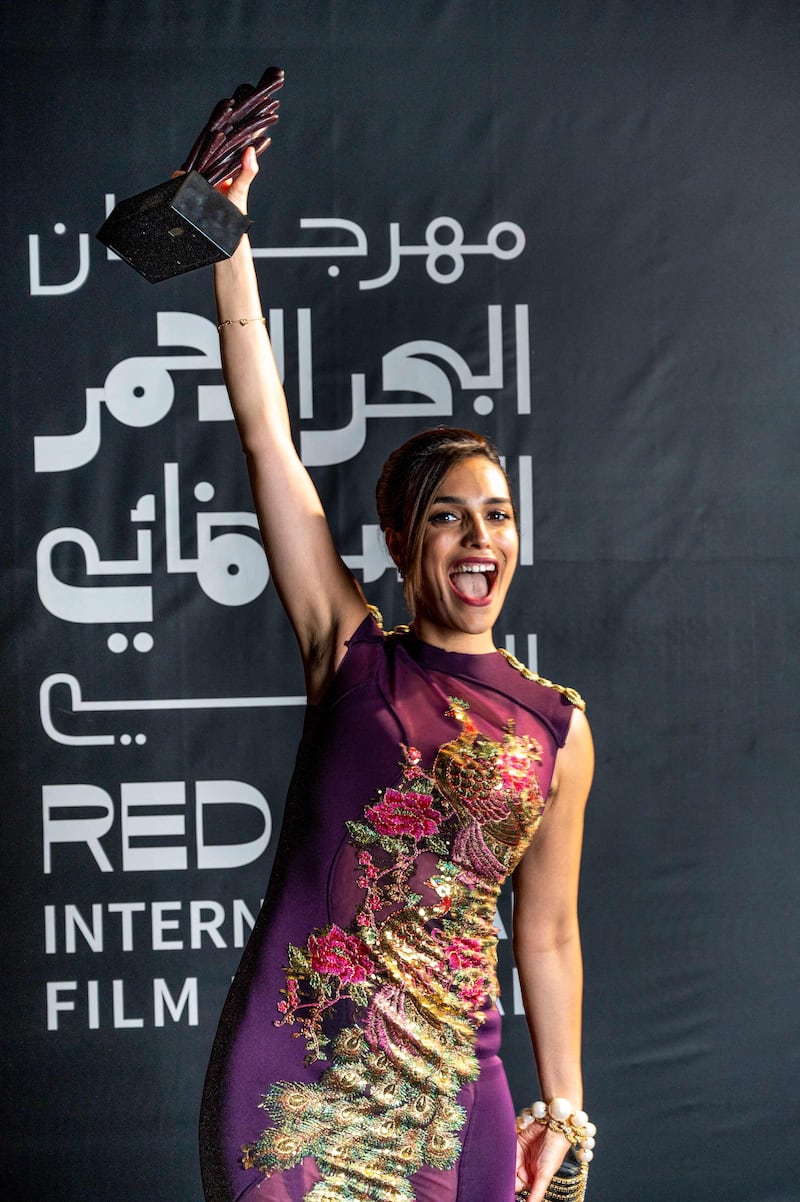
(178,225)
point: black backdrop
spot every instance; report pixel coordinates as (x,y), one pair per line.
(628,335)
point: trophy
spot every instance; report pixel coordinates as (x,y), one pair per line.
(185,222)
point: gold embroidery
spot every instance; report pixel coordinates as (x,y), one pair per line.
(419,976)
(572,695)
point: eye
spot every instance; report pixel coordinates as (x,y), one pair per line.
(443,517)
(499,515)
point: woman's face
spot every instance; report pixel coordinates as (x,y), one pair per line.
(469,554)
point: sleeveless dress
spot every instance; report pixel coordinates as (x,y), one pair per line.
(356,1058)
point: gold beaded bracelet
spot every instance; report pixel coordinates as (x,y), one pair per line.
(239,321)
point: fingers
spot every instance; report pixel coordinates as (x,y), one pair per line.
(250,161)
(237,190)
(538,1188)
(540,1154)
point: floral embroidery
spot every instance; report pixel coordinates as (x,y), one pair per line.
(409,814)
(337,966)
(416,972)
(463,953)
(338,954)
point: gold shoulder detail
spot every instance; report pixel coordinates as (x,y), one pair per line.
(377,615)
(378,619)
(572,696)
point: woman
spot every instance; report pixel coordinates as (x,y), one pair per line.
(356,1056)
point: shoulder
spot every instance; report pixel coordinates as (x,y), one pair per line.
(368,646)
(557,703)
(575,763)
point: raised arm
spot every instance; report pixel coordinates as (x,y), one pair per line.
(548,952)
(323,601)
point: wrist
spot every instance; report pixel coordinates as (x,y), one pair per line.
(560,1115)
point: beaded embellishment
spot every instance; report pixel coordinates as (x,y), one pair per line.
(412,975)
(572,695)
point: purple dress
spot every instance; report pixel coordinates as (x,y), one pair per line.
(357,1053)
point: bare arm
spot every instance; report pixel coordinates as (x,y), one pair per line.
(320,596)
(547,950)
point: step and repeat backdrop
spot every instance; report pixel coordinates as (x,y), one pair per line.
(574,227)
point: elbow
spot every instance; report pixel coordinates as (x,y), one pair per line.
(542,938)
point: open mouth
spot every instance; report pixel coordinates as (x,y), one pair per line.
(474,579)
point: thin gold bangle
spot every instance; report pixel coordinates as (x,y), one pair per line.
(239,321)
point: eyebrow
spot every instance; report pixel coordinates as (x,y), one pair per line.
(463,501)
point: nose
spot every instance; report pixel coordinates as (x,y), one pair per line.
(476,534)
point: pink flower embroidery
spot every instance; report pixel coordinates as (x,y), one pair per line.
(336,953)
(462,952)
(475,994)
(409,814)
(516,769)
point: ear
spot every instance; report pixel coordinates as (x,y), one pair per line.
(396,546)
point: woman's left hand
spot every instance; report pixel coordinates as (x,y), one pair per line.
(540,1153)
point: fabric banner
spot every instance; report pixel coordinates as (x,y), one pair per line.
(573,227)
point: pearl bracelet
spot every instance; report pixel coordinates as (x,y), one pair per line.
(558,1115)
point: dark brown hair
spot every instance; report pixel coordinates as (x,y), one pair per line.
(409,482)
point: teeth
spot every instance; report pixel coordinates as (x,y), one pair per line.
(474,567)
